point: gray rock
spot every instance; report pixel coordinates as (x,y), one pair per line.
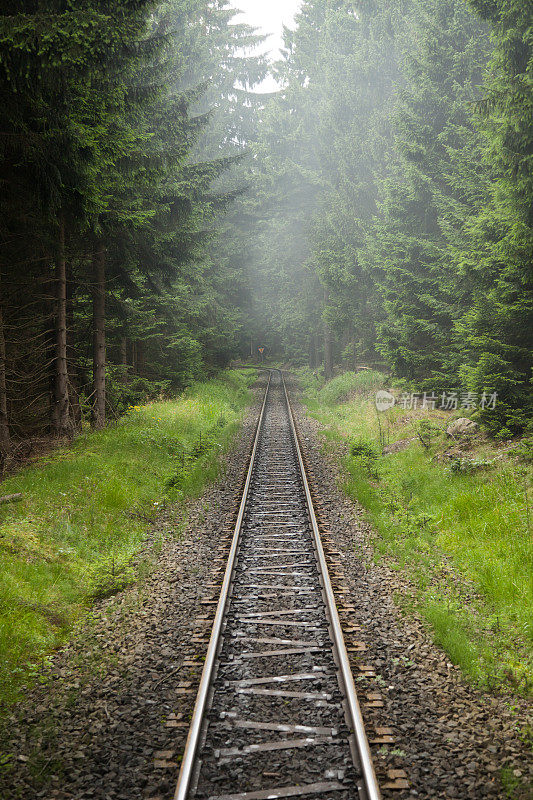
(462,427)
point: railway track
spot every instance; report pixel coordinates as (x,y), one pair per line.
(276,713)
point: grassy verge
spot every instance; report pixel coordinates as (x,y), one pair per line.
(86,510)
(454,515)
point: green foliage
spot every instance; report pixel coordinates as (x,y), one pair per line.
(498,326)
(121,396)
(365,449)
(466,465)
(460,531)
(454,637)
(392,197)
(524,451)
(340,389)
(86,511)
(366,455)
(122,130)
(377,207)
(428,432)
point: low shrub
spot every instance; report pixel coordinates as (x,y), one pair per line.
(340,388)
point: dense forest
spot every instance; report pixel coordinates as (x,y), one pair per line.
(393,197)
(118,119)
(159,217)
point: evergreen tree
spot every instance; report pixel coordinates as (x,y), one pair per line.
(497,329)
(436,156)
(157,216)
(100,116)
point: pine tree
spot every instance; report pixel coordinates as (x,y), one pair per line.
(436,154)
(100,123)
(498,328)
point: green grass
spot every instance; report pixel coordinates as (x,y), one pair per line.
(86,510)
(340,388)
(462,535)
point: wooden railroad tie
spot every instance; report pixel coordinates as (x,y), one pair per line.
(356,647)
(191,662)
(185,687)
(367,670)
(163,758)
(383,736)
(176,721)
(397,780)
(374,700)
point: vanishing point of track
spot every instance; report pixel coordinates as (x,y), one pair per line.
(276,713)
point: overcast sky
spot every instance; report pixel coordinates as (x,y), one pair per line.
(269,16)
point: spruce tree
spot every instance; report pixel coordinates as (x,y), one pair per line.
(498,327)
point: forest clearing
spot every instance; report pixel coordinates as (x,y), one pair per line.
(266,403)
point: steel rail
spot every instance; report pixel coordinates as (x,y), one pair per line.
(193,739)
(354,710)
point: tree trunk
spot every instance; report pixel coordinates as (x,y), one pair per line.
(354,350)
(61,415)
(47,315)
(124,352)
(139,349)
(5,439)
(74,382)
(328,353)
(328,344)
(345,342)
(98,409)
(123,358)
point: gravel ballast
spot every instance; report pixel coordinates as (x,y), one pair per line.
(110,719)
(451,739)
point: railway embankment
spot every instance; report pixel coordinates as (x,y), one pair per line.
(78,532)
(435,538)
(110,714)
